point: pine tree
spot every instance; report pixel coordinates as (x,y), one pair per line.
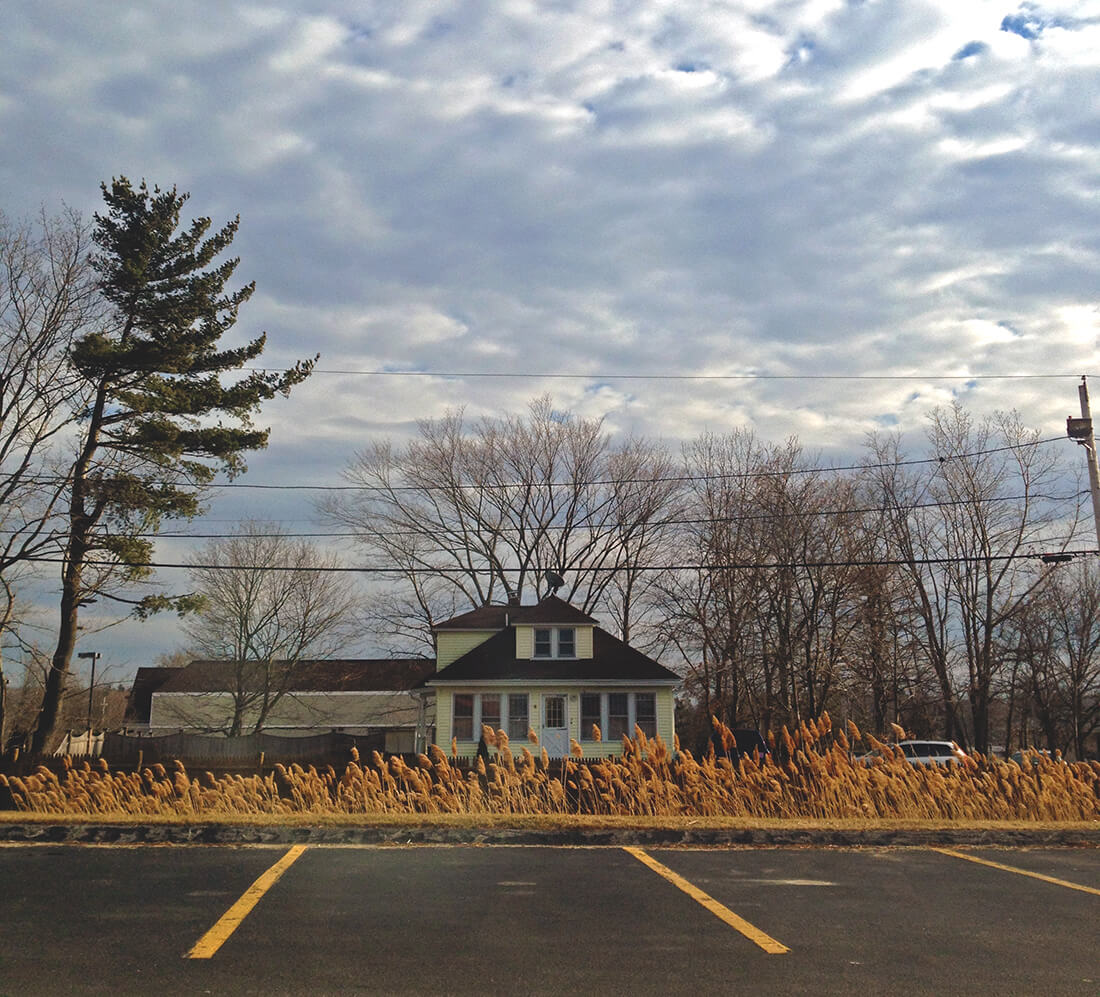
(159,423)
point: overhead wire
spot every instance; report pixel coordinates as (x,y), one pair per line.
(598,376)
(667,479)
(646,568)
(710,520)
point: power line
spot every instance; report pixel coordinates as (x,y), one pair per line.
(751,376)
(669,479)
(729,566)
(712,520)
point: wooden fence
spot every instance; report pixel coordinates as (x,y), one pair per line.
(250,751)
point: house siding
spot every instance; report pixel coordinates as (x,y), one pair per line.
(450,645)
(666,716)
(305,711)
(443,714)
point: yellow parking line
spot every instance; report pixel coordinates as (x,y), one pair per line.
(213,940)
(750,931)
(1020,872)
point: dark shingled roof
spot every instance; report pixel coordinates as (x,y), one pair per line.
(146,681)
(335,675)
(550,610)
(612,661)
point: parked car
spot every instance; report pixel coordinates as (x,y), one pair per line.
(922,753)
(1035,756)
(932,752)
(748,743)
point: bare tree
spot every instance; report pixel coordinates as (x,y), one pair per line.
(269,603)
(710,614)
(962,526)
(767,623)
(471,513)
(1056,671)
(47,298)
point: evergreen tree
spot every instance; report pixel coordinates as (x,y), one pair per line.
(159,422)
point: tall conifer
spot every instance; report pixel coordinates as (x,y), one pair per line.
(159,422)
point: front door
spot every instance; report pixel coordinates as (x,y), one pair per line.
(555,726)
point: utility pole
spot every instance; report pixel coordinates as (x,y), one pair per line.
(1080,430)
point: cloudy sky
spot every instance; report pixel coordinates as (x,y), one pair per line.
(571,193)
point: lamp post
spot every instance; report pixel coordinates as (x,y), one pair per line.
(94,656)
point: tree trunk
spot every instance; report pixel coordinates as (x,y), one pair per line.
(3,704)
(45,725)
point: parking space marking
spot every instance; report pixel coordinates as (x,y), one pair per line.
(1020,872)
(213,940)
(750,931)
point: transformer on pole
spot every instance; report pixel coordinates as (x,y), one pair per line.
(1080,430)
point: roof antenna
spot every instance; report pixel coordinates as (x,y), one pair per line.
(554,580)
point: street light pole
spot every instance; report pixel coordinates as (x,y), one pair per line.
(94,656)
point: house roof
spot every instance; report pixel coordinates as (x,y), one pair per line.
(612,661)
(550,610)
(329,675)
(147,680)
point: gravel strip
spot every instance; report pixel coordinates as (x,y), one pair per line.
(230,834)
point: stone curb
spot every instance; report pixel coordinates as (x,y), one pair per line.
(229,834)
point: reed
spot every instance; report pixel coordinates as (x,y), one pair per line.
(813,775)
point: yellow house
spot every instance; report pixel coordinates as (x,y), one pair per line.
(545,669)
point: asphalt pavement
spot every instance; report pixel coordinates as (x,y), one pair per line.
(468,919)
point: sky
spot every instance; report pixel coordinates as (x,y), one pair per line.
(814,219)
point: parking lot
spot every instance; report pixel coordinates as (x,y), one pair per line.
(541,920)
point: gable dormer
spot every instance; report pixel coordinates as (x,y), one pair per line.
(553,629)
(550,629)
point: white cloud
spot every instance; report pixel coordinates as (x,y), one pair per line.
(796,188)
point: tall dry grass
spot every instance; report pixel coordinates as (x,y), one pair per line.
(817,778)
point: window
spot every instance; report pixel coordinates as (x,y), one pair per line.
(518,718)
(591,714)
(618,715)
(555,711)
(463,725)
(472,711)
(645,712)
(490,711)
(555,642)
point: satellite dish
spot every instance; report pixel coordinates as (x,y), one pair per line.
(554,580)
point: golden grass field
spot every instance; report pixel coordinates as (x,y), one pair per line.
(819,782)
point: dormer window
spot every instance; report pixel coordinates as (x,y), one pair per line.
(555,642)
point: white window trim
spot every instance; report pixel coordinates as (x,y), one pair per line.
(505,714)
(555,639)
(631,712)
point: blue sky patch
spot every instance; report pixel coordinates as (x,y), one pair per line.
(971,49)
(1024,25)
